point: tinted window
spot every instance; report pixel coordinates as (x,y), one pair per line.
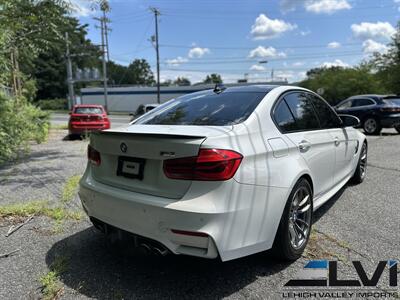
(362,102)
(283,117)
(88,110)
(327,117)
(345,105)
(392,101)
(303,111)
(205,108)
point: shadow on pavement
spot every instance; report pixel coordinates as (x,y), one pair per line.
(97,269)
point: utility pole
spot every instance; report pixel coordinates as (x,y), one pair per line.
(103,50)
(156,14)
(70,80)
(106,34)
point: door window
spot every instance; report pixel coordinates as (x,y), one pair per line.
(284,118)
(327,117)
(362,102)
(345,105)
(302,110)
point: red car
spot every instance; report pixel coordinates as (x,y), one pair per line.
(87,118)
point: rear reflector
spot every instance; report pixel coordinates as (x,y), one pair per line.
(93,156)
(209,165)
(191,233)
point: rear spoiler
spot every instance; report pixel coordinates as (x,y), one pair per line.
(155,135)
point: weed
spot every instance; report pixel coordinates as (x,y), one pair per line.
(70,188)
(38,208)
(59,127)
(51,286)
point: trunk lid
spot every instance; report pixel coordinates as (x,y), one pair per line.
(125,151)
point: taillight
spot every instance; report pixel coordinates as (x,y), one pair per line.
(390,109)
(210,164)
(93,156)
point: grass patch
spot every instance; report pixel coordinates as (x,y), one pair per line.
(51,285)
(70,188)
(38,208)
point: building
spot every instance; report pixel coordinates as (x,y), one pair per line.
(127,99)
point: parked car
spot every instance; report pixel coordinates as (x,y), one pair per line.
(87,118)
(142,109)
(224,172)
(374,111)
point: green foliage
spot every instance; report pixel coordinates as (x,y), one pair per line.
(53,104)
(137,72)
(51,286)
(70,188)
(339,83)
(213,78)
(182,81)
(41,207)
(388,65)
(20,122)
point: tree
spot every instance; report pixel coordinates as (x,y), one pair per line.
(30,27)
(213,78)
(139,72)
(339,83)
(182,81)
(388,64)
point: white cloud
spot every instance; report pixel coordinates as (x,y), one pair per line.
(257,68)
(326,6)
(81,8)
(269,52)
(298,64)
(198,52)
(370,46)
(315,6)
(334,45)
(265,28)
(378,30)
(176,61)
(335,63)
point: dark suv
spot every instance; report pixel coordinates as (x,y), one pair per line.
(374,111)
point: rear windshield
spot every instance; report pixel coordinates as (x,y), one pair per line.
(88,110)
(392,101)
(226,108)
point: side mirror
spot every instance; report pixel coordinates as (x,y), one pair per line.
(70,113)
(349,121)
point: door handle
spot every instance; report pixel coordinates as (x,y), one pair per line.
(304,146)
(336,140)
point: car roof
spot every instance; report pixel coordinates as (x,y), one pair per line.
(88,105)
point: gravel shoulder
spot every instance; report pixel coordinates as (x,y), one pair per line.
(358,223)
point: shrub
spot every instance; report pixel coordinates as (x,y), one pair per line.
(53,104)
(20,123)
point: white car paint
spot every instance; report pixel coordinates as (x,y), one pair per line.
(241,215)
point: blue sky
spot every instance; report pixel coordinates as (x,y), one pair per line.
(231,37)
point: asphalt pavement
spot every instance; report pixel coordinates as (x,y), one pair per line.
(361,222)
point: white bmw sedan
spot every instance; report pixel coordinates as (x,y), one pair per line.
(224,172)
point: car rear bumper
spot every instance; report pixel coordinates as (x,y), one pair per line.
(390,120)
(80,129)
(233,227)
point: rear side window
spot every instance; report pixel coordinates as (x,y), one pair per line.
(205,108)
(302,110)
(88,110)
(327,117)
(362,102)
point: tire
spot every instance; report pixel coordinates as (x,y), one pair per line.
(397,128)
(372,126)
(361,170)
(285,240)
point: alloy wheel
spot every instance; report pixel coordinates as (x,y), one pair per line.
(300,217)
(363,161)
(370,125)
